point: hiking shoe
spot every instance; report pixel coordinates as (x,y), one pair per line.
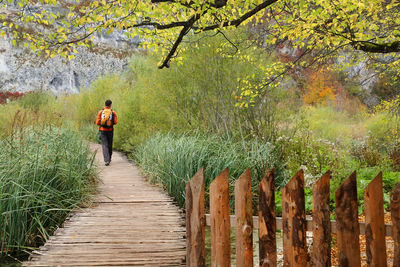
(107,163)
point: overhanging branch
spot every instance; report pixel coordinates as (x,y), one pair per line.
(178,41)
(371,47)
(243,18)
(189,25)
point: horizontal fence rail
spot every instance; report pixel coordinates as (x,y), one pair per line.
(293,223)
(309,226)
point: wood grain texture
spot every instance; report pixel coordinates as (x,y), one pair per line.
(348,230)
(220,222)
(395,212)
(195,221)
(375,223)
(132,223)
(267,221)
(321,253)
(294,222)
(244,220)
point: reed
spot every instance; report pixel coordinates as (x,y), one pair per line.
(173,159)
(45,173)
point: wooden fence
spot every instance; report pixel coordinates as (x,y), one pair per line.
(293,222)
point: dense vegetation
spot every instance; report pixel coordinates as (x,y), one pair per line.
(46,171)
(287,92)
(195,113)
(173,160)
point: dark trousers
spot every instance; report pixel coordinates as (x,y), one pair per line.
(106,144)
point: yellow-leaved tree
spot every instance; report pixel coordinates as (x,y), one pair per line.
(322,28)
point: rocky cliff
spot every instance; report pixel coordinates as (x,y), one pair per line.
(22,71)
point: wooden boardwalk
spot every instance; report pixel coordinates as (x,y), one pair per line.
(132,224)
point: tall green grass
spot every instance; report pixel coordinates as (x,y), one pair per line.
(172,160)
(45,172)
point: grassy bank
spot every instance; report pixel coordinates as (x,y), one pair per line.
(45,173)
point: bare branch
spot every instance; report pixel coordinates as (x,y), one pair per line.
(226,38)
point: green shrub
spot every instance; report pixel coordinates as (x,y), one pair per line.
(35,101)
(90,101)
(199,94)
(45,172)
(329,123)
(366,175)
(30,109)
(315,156)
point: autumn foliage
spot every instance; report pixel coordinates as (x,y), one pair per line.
(4,96)
(321,88)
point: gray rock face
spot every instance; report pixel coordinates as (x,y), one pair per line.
(22,71)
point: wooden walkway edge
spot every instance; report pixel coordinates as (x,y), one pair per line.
(132,224)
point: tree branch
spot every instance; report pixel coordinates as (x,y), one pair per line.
(191,21)
(371,47)
(240,20)
(173,1)
(159,26)
(183,32)
(216,4)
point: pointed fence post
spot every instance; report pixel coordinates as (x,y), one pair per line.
(267,221)
(395,212)
(244,220)
(220,222)
(195,221)
(375,223)
(321,253)
(294,222)
(348,229)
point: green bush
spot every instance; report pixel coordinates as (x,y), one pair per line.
(315,156)
(34,101)
(173,160)
(44,174)
(389,179)
(31,109)
(199,94)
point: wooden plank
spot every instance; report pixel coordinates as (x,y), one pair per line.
(321,253)
(348,230)
(220,222)
(244,220)
(395,212)
(294,222)
(375,223)
(267,221)
(195,221)
(139,225)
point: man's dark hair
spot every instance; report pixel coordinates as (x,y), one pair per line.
(108,103)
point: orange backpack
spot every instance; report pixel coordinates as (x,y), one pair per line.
(107,118)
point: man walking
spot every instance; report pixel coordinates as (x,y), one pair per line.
(106,119)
